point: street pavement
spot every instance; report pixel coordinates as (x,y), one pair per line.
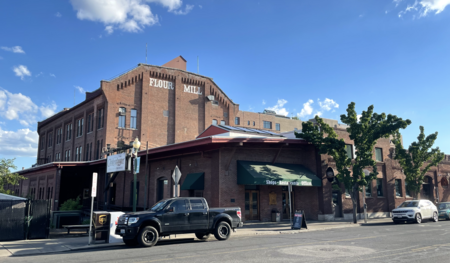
(374,242)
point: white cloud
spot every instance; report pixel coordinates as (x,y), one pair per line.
(263,102)
(21,71)
(80,89)
(58,14)
(15,49)
(200,6)
(328,104)
(128,15)
(172,5)
(16,106)
(279,107)
(186,10)
(423,7)
(52,75)
(39,74)
(358,117)
(20,143)
(48,110)
(307,109)
(109,29)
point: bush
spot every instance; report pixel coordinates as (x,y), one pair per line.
(71,204)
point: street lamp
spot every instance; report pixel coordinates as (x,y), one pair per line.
(136,145)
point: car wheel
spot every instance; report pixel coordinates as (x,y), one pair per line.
(418,218)
(222,231)
(202,236)
(130,242)
(435,217)
(147,237)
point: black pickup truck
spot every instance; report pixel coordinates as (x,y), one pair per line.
(178,215)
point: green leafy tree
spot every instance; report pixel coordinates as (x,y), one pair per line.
(7,177)
(418,154)
(71,204)
(364,132)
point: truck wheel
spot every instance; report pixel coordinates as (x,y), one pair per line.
(147,237)
(418,218)
(130,242)
(222,231)
(202,236)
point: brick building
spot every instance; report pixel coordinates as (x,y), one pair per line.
(222,152)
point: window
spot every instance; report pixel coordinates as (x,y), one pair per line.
(165,113)
(100,119)
(50,139)
(65,157)
(407,193)
(222,122)
(369,189)
(253,123)
(197,204)
(76,154)
(267,125)
(69,156)
(349,149)
(122,113)
(90,152)
(398,187)
(378,154)
(90,122)
(248,123)
(379,187)
(80,124)
(68,131)
(97,154)
(277,125)
(237,121)
(58,136)
(133,123)
(178,206)
(80,154)
(42,142)
(214,122)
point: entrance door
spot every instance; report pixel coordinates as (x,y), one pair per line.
(160,189)
(285,201)
(337,203)
(251,205)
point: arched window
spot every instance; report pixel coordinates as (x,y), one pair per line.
(222,122)
(214,122)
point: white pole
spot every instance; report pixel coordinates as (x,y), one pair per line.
(90,221)
(93,194)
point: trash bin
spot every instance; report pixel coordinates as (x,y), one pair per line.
(275,216)
(100,224)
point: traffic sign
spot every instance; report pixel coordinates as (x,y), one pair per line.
(94,185)
(176,175)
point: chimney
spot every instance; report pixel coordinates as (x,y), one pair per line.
(23,168)
(178,63)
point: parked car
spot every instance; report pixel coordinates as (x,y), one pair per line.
(178,215)
(444,211)
(415,211)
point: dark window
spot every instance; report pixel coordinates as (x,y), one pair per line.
(267,125)
(248,123)
(80,157)
(197,204)
(369,189)
(90,153)
(349,149)
(133,122)
(253,123)
(236,121)
(378,154)
(178,206)
(50,139)
(122,119)
(277,125)
(214,122)
(100,119)
(81,129)
(379,187)
(398,187)
(77,153)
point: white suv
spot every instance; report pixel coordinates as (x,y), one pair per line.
(415,211)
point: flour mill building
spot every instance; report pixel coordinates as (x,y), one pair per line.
(230,157)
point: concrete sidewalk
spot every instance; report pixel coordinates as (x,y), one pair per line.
(61,242)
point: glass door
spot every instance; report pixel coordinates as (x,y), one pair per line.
(251,205)
(285,202)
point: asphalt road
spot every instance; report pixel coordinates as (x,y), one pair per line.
(427,242)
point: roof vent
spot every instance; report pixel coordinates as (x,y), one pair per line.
(65,109)
(270,112)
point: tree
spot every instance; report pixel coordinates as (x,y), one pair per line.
(6,177)
(413,159)
(364,132)
(295,118)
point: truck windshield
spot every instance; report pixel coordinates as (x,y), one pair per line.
(409,204)
(159,206)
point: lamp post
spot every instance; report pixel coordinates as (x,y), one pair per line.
(136,145)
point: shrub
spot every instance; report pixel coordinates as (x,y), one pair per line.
(71,204)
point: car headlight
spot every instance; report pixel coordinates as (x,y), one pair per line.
(410,211)
(132,220)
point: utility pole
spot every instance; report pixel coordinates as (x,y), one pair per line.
(146,177)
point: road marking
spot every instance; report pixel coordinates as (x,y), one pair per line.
(263,248)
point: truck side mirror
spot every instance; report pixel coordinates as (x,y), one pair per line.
(170,209)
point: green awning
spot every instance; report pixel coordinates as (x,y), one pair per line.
(194,182)
(263,173)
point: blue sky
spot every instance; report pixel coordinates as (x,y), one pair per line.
(299,58)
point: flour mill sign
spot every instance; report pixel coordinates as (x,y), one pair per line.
(164,84)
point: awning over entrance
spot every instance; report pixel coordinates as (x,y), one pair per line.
(262,173)
(194,181)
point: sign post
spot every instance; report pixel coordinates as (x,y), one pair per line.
(93,194)
(176,175)
(290,203)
